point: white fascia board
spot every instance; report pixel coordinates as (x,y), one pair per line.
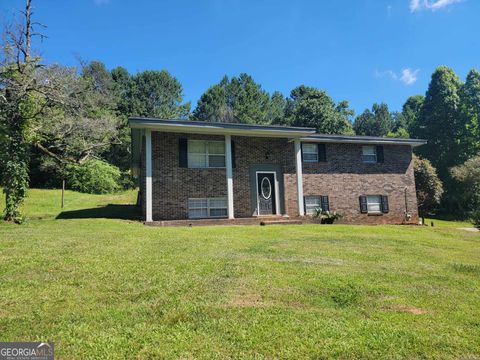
(213,130)
(362,141)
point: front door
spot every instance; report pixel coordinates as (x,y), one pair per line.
(266,193)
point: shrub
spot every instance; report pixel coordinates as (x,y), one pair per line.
(428,185)
(468,188)
(476,218)
(326,217)
(93,177)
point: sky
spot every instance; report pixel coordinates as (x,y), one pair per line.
(363,51)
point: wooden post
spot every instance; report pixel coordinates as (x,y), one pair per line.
(63,193)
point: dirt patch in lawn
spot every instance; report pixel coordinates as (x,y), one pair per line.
(249,300)
(406,309)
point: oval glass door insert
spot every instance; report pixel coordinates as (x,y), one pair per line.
(266,188)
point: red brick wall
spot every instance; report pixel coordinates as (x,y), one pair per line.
(255,151)
(173,185)
(343,178)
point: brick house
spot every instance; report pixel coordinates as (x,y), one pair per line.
(201,170)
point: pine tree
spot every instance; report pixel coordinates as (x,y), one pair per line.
(440,122)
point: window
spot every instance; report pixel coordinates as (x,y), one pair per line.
(207,208)
(310,152)
(206,154)
(312,203)
(374,204)
(369,154)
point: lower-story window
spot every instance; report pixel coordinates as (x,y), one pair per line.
(207,208)
(312,203)
(374,204)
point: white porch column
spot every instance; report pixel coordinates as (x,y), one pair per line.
(298,162)
(148,175)
(228,163)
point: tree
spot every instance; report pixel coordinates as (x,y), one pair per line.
(212,105)
(467,176)
(399,129)
(79,125)
(49,107)
(311,107)
(22,99)
(411,111)
(239,100)
(440,122)
(377,122)
(428,185)
(100,81)
(155,94)
(470,113)
(276,110)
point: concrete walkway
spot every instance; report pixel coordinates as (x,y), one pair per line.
(470,229)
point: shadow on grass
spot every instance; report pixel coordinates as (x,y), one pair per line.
(110,211)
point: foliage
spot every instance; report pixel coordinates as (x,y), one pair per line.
(377,122)
(22,99)
(93,177)
(326,216)
(411,111)
(79,129)
(311,107)
(212,105)
(467,176)
(475,217)
(428,185)
(400,133)
(470,114)
(276,109)
(439,122)
(155,94)
(236,100)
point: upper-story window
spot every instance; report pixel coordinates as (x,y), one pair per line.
(206,154)
(310,152)
(369,154)
(372,153)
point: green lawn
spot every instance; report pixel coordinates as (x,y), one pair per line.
(114,289)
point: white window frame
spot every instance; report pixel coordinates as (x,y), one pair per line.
(309,152)
(369,158)
(309,210)
(209,207)
(207,154)
(371,201)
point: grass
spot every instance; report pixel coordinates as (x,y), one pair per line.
(107,288)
